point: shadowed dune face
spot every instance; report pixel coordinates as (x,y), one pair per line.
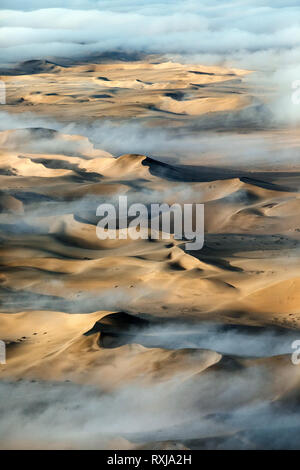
(143,343)
(119,328)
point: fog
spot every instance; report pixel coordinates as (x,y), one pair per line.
(64,415)
(222,30)
(254,150)
(240,400)
(226,339)
(262,36)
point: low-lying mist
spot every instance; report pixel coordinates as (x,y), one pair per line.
(207,411)
(255,150)
(244,341)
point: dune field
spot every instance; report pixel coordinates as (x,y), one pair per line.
(144,343)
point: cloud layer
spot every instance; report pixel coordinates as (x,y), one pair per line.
(261,35)
(253,32)
(218,149)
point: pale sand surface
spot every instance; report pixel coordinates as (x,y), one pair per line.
(137,89)
(150,387)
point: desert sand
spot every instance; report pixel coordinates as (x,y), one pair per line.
(142,343)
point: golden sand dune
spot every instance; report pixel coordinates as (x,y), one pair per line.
(122,89)
(182,343)
(61,209)
(73,356)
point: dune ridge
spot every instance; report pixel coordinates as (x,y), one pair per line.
(197,339)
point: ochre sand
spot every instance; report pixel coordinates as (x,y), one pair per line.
(122,90)
(58,279)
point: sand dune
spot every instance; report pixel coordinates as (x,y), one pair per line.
(118,89)
(196,339)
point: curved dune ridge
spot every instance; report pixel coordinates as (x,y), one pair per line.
(123,343)
(59,209)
